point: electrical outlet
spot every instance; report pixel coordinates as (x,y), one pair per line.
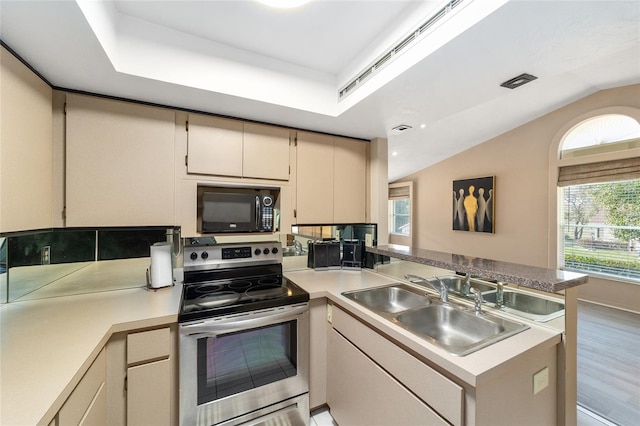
(46,255)
(540,380)
(329,314)
(338,235)
(368,240)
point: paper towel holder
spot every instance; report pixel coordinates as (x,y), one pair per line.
(160,272)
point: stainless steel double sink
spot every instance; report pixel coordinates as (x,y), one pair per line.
(526,305)
(451,326)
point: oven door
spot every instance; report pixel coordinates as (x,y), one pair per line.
(236,364)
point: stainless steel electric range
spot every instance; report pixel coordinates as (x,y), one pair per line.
(244,338)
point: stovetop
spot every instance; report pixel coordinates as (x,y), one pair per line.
(232,287)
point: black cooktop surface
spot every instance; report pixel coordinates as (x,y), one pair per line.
(208,294)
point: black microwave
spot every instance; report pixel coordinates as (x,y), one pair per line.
(227,210)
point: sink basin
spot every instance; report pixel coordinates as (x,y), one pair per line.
(456,330)
(453,327)
(528,306)
(456,284)
(292,251)
(389,299)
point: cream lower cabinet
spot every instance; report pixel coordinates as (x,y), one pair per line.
(318,353)
(142,377)
(120,163)
(149,393)
(331,179)
(87,404)
(372,381)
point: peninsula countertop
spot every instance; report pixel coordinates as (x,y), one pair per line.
(548,280)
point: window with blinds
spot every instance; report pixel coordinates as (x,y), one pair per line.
(601,228)
(600,207)
(400,209)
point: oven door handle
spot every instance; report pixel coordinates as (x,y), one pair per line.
(236,323)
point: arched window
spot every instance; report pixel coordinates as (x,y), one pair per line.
(599,180)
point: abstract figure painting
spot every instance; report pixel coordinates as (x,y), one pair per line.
(473,204)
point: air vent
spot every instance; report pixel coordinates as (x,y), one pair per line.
(518,81)
(389,55)
(401,128)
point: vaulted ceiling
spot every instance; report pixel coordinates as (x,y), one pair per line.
(288,67)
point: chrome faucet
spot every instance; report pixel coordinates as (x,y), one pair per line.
(477,300)
(499,294)
(440,288)
(297,246)
(466,287)
(444,290)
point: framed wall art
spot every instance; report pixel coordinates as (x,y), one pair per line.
(473,204)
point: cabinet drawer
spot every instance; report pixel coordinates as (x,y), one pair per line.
(148,345)
(443,395)
(82,396)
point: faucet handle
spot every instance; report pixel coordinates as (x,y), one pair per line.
(478,300)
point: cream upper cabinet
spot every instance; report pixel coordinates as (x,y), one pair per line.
(26,148)
(214,146)
(223,147)
(119,163)
(349,180)
(265,152)
(314,187)
(331,179)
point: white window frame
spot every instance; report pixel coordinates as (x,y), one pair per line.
(406,188)
(556,255)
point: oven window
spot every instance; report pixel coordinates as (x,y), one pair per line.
(237,362)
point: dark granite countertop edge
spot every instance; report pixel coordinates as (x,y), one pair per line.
(548,280)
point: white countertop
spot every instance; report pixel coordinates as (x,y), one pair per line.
(474,368)
(46,345)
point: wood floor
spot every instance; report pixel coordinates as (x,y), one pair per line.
(609,363)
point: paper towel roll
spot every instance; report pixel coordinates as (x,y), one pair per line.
(161,271)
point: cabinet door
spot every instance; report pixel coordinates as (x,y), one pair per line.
(26,148)
(149,394)
(362,393)
(349,181)
(120,163)
(97,412)
(214,146)
(318,353)
(265,152)
(88,399)
(314,188)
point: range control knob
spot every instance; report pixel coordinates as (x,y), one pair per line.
(274,250)
(266,251)
(204,255)
(193,255)
(257,252)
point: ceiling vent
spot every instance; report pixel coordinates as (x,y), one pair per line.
(518,81)
(388,57)
(401,128)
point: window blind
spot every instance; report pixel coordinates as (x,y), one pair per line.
(605,171)
(399,192)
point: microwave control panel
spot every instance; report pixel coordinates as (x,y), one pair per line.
(267,213)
